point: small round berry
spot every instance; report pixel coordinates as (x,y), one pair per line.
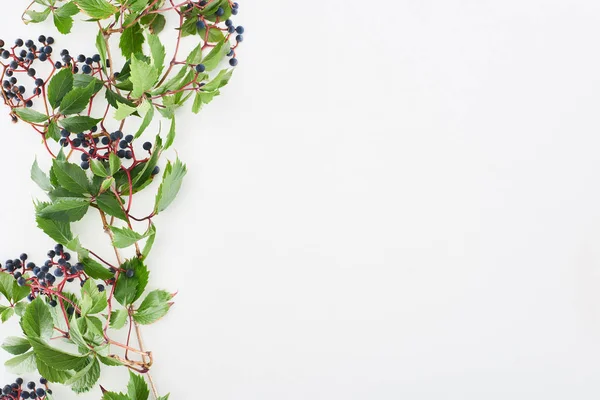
(23,257)
(123,144)
(100,288)
(50,40)
(58,64)
(42,57)
(70,310)
(220,12)
(96,57)
(229,22)
(48,49)
(43,381)
(64,52)
(19,42)
(81,58)
(41,392)
(39,82)
(86,69)
(239,29)
(128,154)
(147,146)
(129,138)
(121,153)
(31,72)
(31,385)
(200,68)
(105,140)
(21,281)
(85,165)
(58,272)
(42,39)
(156,170)
(200,24)
(29,103)
(53,303)
(5,54)
(130,273)
(233,62)
(239,38)
(65,133)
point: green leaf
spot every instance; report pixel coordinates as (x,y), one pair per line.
(37,321)
(63,17)
(36,16)
(131,41)
(115,396)
(55,358)
(219,81)
(20,308)
(52,374)
(77,99)
(98,168)
(195,56)
(39,177)
(149,242)
(57,230)
(53,131)
(16,345)
(95,270)
(83,80)
(157,24)
(123,111)
(165,397)
(98,9)
(158,52)
(21,364)
(108,203)
(118,319)
(85,379)
(79,123)
(107,184)
(171,135)
(6,285)
(65,209)
(172,179)
(137,389)
(154,307)
(110,361)
(148,116)
(29,115)
(143,76)
(92,300)
(6,313)
(212,60)
(101,47)
(124,237)
(114,162)
(128,290)
(59,86)
(70,177)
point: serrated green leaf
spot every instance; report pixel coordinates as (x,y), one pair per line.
(108,203)
(40,177)
(219,81)
(77,99)
(57,230)
(52,131)
(101,47)
(124,237)
(172,179)
(158,52)
(131,41)
(29,115)
(63,17)
(95,300)
(123,111)
(155,306)
(85,379)
(171,135)
(149,242)
(99,9)
(37,320)
(114,396)
(16,345)
(218,53)
(143,76)
(57,359)
(114,162)
(137,389)
(37,16)
(148,116)
(118,319)
(128,290)
(79,123)
(107,184)
(95,270)
(6,313)
(59,86)
(98,168)
(83,80)
(71,177)
(52,374)
(21,364)
(6,285)
(65,209)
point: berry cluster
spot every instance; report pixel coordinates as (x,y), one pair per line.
(17,390)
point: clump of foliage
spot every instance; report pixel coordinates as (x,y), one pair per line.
(92,112)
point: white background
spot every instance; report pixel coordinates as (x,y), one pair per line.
(391,200)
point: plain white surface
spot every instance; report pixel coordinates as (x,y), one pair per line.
(391,200)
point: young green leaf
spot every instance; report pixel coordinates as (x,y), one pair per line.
(123,237)
(108,203)
(50,373)
(131,41)
(92,300)
(63,17)
(158,52)
(123,111)
(148,113)
(212,60)
(114,163)
(137,389)
(101,47)
(21,364)
(79,123)
(95,270)
(115,396)
(6,313)
(98,168)
(85,379)
(128,290)
(154,307)
(6,285)
(39,177)
(16,345)
(98,9)
(171,135)
(59,86)
(37,321)
(53,131)
(143,76)
(149,241)
(118,319)
(172,179)
(37,16)
(29,115)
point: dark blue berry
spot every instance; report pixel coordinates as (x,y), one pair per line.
(96,57)
(220,12)
(81,58)
(147,146)
(229,22)
(129,138)
(42,39)
(86,69)
(19,42)
(200,68)
(57,64)
(200,24)
(239,38)
(85,165)
(130,273)
(233,62)
(123,144)
(156,170)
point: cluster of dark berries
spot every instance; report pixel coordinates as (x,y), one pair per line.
(88,64)
(21,57)
(18,390)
